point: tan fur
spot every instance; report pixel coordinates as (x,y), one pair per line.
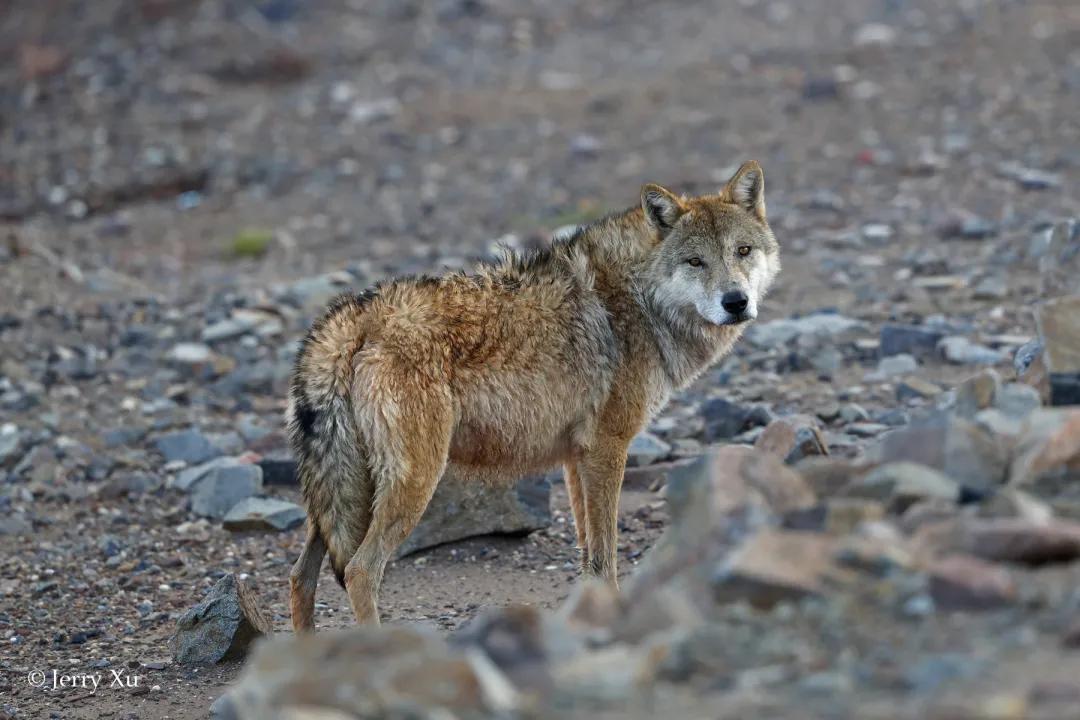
(558,358)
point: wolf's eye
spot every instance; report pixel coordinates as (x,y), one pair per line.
(744,250)
(694,262)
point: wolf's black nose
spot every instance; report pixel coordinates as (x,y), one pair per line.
(735,302)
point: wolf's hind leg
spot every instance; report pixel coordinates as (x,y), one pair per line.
(577,507)
(303,580)
(413,445)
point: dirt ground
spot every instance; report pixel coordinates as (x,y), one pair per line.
(139,137)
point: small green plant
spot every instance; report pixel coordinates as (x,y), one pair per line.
(251,242)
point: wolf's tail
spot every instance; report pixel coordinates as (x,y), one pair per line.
(333,468)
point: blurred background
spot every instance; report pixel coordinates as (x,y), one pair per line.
(185,183)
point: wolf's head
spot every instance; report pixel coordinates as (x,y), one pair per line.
(716,255)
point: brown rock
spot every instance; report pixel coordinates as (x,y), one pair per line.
(1003,539)
(962,582)
(956,447)
(1048,447)
(792,439)
(367,672)
(901,484)
(977,393)
(1059,329)
(773,566)
(735,476)
(835,516)
(36,61)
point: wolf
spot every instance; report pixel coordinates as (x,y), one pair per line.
(560,356)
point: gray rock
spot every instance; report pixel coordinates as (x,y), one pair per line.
(902,484)
(1017,400)
(190,446)
(725,419)
(15,524)
(1026,354)
(223,487)
(466,507)
(187,477)
(645,449)
(779,332)
(226,329)
(279,468)
(221,627)
(961,351)
(10,443)
(894,365)
(188,353)
(956,447)
(264,514)
(853,412)
(917,340)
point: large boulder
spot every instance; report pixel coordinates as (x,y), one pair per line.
(221,627)
(464,507)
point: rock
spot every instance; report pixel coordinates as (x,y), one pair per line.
(1013,540)
(645,449)
(776,333)
(187,353)
(525,643)
(917,340)
(835,516)
(370,672)
(902,484)
(464,507)
(956,447)
(725,419)
(1048,448)
(853,413)
(774,566)
(279,468)
(874,34)
(1017,401)
(264,514)
(1026,354)
(1059,331)
(893,365)
(731,477)
(10,444)
(186,478)
(961,351)
(791,439)
(1012,503)
(1058,252)
(224,486)
(189,446)
(962,582)
(914,387)
(991,287)
(221,627)
(977,393)
(241,322)
(15,524)
(968,227)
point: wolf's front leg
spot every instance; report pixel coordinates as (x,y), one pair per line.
(601,474)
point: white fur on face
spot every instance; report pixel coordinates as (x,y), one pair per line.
(686,287)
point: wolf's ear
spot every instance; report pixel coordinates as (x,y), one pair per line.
(746,188)
(662,207)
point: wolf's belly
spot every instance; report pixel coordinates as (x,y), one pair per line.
(518,433)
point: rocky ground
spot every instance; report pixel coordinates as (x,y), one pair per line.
(183,185)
